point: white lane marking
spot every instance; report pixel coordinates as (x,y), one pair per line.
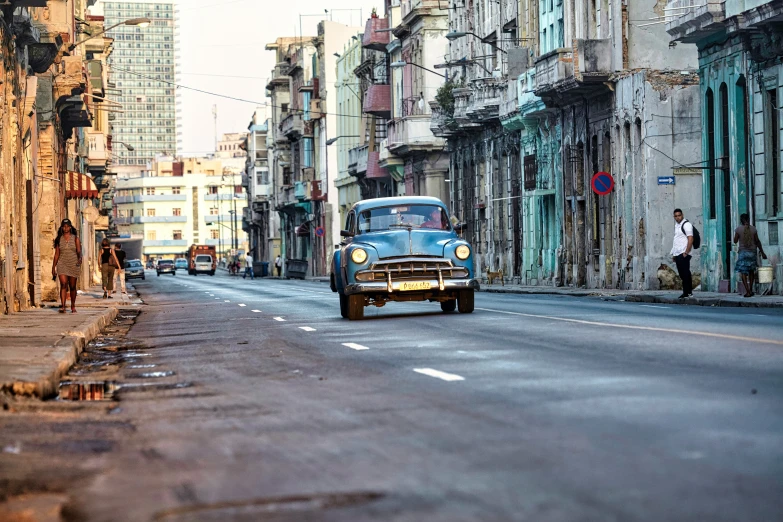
(632,327)
(242,305)
(256,311)
(354,346)
(279,319)
(439,374)
(217,299)
(758,315)
(655,306)
(307,328)
(206,292)
(226,301)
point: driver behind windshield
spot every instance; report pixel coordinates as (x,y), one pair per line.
(435,220)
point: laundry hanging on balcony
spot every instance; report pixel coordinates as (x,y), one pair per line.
(78,185)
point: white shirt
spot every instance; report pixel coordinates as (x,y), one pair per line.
(680,239)
(249,260)
(278,261)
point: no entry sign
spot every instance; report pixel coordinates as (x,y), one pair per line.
(602,183)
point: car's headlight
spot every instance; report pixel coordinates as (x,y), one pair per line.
(462,252)
(359,256)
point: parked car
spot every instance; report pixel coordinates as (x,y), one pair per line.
(166,266)
(402,249)
(203,264)
(180,263)
(134,269)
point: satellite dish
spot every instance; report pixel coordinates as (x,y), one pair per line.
(91,214)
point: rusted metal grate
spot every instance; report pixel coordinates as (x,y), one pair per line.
(531,168)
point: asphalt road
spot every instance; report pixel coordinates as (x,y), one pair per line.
(531,408)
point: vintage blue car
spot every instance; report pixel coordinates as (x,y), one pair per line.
(402,249)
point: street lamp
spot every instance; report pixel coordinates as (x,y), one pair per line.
(402,63)
(453,35)
(330,141)
(131,148)
(140,22)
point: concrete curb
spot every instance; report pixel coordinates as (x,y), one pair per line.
(643,298)
(62,357)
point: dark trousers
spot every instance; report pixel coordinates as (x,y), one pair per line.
(684,269)
(278,268)
(248,272)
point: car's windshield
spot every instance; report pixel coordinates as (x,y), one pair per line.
(203,259)
(132,264)
(165,262)
(402,216)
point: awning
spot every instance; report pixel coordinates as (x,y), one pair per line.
(303,230)
(79,186)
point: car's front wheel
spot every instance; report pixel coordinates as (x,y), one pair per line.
(448,306)
(355,307)
(343,305)
(465,301)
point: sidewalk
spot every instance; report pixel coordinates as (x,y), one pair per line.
(643,296)
(38,347)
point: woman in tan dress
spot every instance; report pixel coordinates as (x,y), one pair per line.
(67,262)
(109,264)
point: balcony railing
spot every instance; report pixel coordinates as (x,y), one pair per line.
(144,198)
(376,35)
(293,126)
(357,160)
(377,100)
(97,149)
(300,190)
(408,135)
(165,242)
(690,21)
(553,68)
(279,76)
(485,101)
(95,72)
(149,219)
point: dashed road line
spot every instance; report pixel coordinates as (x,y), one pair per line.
(226,301)
(307,328)
(279,319)
(439,374)
(354,346)
(655,306)
(242,304)
(256,311)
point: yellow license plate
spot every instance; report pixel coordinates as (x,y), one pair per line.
(418,285)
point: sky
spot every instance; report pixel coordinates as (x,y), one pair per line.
(221,49)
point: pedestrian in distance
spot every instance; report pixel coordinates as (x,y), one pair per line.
(747,239)
(278,264)
(120,253)
(67,262)
(248,266)
(681,252)
(109,264)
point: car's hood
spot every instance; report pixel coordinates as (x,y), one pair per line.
(396,243)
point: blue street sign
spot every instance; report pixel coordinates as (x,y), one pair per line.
(666,180)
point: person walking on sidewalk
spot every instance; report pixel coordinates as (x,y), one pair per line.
(748,241)
(248,266)
(681,252)
(120,253)
(109,264)
(67,262)
(278,264)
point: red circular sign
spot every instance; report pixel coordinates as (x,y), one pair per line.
(602,183)
(319,231)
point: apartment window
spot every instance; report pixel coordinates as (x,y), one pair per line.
(175,190)
(176,212)
(214,233)
(151,212)
(152,235)
(213,211)
(177,235)
(237,189)
(150,191)
(212,190)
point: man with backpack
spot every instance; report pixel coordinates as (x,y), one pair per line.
(686,237)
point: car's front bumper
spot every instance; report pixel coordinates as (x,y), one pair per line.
(166,270)
(132,275)
(376,287)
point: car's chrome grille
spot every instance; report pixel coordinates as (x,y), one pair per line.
(407,269)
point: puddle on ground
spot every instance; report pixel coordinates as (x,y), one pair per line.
(150,375)
(140,366)
(87,391)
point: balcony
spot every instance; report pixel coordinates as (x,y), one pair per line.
(357,160)
(411,10)
(292,127)
(566,75)
(219,218)
(316,191)
(262,191)
(97,150)
(484,103)
(165,242)
(95,74)
(279,76)
(377,100)
(317,108)
(142,199)
(412,134)
(462,98)
(372,39)
(442,125)
(220,197)
(300,191)
(149,219)
(696,23)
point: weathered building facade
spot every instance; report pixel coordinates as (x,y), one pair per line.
(740,51)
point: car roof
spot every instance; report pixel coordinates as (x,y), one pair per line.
(398,200)
(166,261)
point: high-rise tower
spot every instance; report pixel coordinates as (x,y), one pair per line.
(142,67)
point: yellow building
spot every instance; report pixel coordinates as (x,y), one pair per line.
(179,202)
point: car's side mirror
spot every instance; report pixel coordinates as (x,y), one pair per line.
(345,233)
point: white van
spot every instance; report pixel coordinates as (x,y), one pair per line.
(203,264)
